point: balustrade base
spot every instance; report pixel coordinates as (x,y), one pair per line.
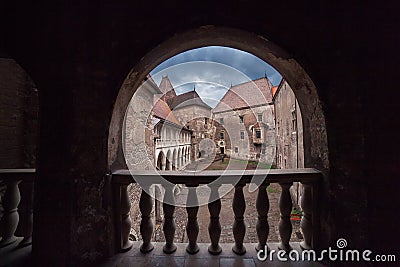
(215,250)
(192,249)
(146,248)
(285,247)
(304,246)
(181,257)
(26,242)
(8,241)
(169,249)
(258,248)
(127,246)
(239,250)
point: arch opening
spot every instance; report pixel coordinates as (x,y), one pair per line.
(315,136)
(307,108)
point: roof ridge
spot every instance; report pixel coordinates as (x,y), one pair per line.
(243,95)
(251,81)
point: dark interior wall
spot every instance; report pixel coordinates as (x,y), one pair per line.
(18,117)
(79,54)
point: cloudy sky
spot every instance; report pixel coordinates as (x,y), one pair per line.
(212,70)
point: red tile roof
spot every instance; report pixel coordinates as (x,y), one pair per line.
(187,99)
(245,95)
(273,90)
(162,111)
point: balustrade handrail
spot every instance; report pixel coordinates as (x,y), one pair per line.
(171,142)
(304,175)
(12,173)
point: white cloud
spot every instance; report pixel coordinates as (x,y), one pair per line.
(210,79)
(213,70)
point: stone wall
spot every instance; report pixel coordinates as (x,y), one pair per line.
(19,109)
(289,129)
(241,143)
(198,119)
(139,136)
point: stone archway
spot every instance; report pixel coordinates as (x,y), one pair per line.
(314,126)
(315,137)
(180,157)
(168,165)
(175,160)
(160,161)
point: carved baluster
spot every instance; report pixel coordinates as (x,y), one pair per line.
(214,228)
(285,225)
(9,221)
(262,227)
(126,222)
(192,228)
(146,225)
(25,210)
(169,224)
(157,204)
(306,220)
(239,227)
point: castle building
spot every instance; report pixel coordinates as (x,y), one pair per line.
(246,115)
(190,110)
(172,139)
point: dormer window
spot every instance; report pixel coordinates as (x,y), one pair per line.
(241,118)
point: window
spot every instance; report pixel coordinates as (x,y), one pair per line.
(236,149)
(221,135)
(260,117)
(294,122)
(258,134)
(242,135)
(241,119)
(205,120)
(221,121)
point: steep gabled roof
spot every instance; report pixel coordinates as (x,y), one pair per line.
(188,99)
(165,85)
(162,111)
(167,90)
(150,85)
(244,95)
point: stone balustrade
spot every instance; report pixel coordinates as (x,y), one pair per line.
(160,143)
(17,203)
(310,178)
